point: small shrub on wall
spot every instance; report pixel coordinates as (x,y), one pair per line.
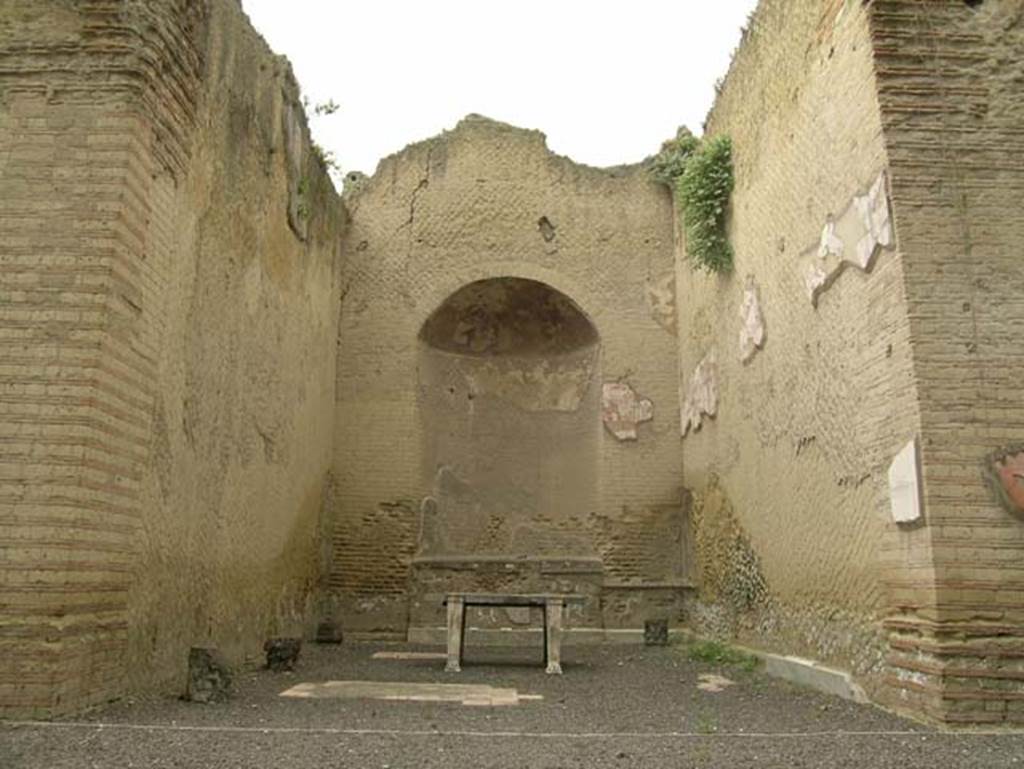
(701,176)
(668,165)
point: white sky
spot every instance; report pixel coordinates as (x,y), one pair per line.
(606,80)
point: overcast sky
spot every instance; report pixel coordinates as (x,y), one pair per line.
(606,80)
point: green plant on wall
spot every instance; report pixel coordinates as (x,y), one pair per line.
(668,165)
(701,176)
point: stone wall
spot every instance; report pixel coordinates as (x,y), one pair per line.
(806,349)
(169,277)
(479,435)
(950,79)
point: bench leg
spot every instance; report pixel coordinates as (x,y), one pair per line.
(544,626)
(553,636)
(456,623)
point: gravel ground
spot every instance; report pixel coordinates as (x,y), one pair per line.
(614,707)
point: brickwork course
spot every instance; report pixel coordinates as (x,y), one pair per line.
(235,405)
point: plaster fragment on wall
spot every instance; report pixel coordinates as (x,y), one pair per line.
(867,223)
(622,410)
(661,299)
(1007,470)
(752,328)
(905,485)
(701,397)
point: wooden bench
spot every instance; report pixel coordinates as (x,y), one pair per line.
(552,605)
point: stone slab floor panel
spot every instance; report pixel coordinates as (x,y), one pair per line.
(614,707)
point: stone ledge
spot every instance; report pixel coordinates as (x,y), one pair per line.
(811,674)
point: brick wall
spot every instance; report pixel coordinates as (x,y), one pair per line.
(76,291)
(794,465)
(952,108)
(143,506)
(483,201)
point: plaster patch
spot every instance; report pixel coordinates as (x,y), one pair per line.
(661,299)
(866,223)
(622,410)
(905,485)
(752,329)
(702,395)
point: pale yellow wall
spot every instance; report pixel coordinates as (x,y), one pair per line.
(794,465)
(245,349)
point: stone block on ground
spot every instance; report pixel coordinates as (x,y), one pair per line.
(282,653)
(328,632)
(656,632)
(209,678)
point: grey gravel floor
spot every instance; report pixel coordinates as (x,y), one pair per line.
(614,707)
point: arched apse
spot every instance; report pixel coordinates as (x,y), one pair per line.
(509,400)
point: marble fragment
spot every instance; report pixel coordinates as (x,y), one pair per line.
(905,485)
(875,217)
(866,224)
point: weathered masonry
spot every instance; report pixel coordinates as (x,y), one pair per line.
(234,405)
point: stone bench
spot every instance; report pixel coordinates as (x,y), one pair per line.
(552,604)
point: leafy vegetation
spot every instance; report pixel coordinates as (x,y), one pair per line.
(669,164)
(328,107)
(326,158)
(700,173)
(716,653)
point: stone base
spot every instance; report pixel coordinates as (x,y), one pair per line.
(628,605)
(573,636)
(610,606)
(209,678)
(433,577)
(328,632)
(809,673)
